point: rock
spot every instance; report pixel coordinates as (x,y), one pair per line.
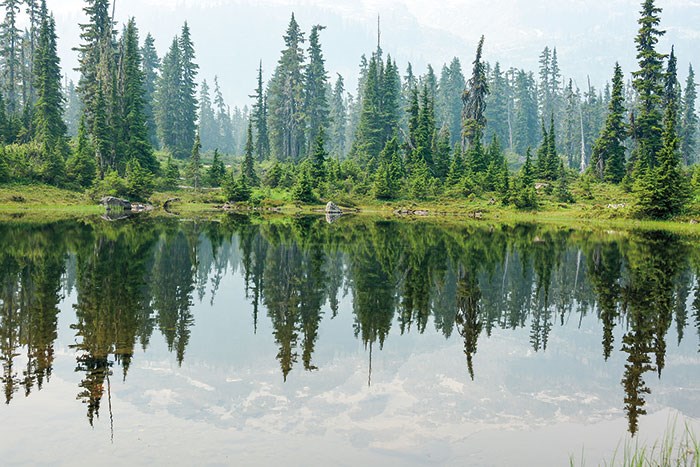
(167,203)
(110,202)
(492,201)
(693,221)
(332,208)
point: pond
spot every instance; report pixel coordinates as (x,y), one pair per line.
(262,341)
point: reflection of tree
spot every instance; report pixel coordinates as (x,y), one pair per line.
(654,262)
(468,323)
(113,305)
(173,284)
(32,262)
(604,272)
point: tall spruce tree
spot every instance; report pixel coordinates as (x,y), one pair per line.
(286,98)
(449,103)
(187,121)
(208,128)
(663,190)
(168,100)
(136,145)
(316,108)
(248,167)
(608,158)
(648,82)
(151,65)
(338,119)
(10,55)
(259,119)
(689,120)
(474,101)
(50,129)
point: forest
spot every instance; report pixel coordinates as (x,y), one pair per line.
(136,123)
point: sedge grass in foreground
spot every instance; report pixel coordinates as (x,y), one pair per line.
(673,450)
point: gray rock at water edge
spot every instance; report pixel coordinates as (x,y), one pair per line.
(110,202)
(332,208)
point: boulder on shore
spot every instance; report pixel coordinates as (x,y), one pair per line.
(110,202)
(332,208)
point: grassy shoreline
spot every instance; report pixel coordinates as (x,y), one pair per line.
(46,202)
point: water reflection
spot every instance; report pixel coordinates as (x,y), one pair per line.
(139,277)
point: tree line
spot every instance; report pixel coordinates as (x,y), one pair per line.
(143,123)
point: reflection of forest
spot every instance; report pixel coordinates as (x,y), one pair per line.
(137,277)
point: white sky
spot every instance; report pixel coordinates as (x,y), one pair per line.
(231,36)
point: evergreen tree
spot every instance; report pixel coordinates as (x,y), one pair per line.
(316,107)
(302,191)
(689,121)
(338,119)
(208,127)
(286,98)
(217,171)
(388,177)
(168,100)
(259,119)
(187,112)
(50,129)
(137,144)
(474,100)
(195,165)
(318,159)
(151,65)
(369,139)
(457,169)
(648,82)
(248,168)
(449,100)
(525,112)
(80,166)
(97,35)
(10,54)
(608,159)
(563,193)
(171,174)
(442,153)
(223,119)
(237,190)
(497,113)
(663,190)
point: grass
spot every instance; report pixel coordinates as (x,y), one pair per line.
(50,202)
(673,450)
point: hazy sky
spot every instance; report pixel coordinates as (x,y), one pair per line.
(232,36)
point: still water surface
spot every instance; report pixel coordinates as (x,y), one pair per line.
(366,341)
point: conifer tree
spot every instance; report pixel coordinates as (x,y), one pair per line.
(563,193)
(474,101)
(80,166)
(369,139)
(388,177)
(318,159)
(195,165)
(316,107)
(689,121)
(452,84)
(663,190)
(338,119)
(208,127)
(259,118)
(248,168)
(10,54)
(441,154)
(50,129)
(497,112)
(456,171)
(302,191)
(168,99)
(217,171)
(286,98)
(137,144)
(187,122)
(648,82)
(151,65)
(608,158)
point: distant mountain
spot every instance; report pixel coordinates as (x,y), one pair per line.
(232,36)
